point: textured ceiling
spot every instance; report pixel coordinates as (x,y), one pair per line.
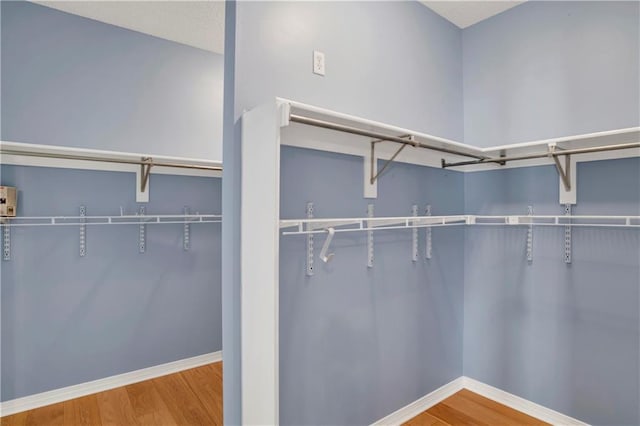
(466,13)
(194,23)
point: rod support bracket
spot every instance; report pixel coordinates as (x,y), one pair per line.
(563,172)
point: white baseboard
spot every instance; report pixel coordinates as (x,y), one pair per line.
(64,394)
(520,404)
(416,407)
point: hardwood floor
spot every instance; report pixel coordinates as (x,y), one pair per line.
(468,408)
(191,397)
(194,397)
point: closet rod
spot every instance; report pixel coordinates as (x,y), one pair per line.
(550,154)
(361,132)
(142,162)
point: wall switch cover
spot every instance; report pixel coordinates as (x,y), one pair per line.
(318,62)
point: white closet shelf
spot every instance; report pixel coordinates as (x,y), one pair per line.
(109,220)
(319,225)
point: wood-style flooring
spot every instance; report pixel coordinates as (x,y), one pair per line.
(194,397)
(468,408)
(191,397)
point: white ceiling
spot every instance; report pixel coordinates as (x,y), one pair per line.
(466,13)
(201,23)
(194,23)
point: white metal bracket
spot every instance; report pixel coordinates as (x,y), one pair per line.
(142,245)
(309,242)
(530,237)
(326,257)
(567,236)
(428,249)
(369,238)
(6,242)
(186,231)
(414,235)
(566,175)
(83,231)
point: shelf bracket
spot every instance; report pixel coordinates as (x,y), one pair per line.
(566,174)
(142,178)
(369,238)
(186,231)
(567,236)
(142,243)
(326,257)
(414,235)
(6,241)
(530,236)
(309,242)
(428,249)
(83,231)
(371,173)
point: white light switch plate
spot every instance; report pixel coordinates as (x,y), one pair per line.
(318,62)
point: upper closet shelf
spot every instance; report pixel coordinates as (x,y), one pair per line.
(25,154)
(560,152)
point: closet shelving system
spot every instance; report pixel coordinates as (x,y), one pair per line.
(78,158)
(284,122)
(561,152)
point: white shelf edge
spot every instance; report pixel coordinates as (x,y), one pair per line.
(24,160)
(630,134)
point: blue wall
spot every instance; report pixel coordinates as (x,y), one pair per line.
(373,49)
(564,336)
(73,81)
(548,69)
(395,62)
(67,80)
(357,343)
(67,320)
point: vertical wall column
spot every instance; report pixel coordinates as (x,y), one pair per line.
(259,264)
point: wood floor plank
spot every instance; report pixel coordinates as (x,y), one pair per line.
(18,419)
(516,417)
(51,415)
(82,411)
(148,406)
(425,419)
(115,408)
(183,404)
(477,411)
(454,417)
(206,383)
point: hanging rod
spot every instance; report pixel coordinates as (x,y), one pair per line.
(549,154)
(144,161)
(406,140)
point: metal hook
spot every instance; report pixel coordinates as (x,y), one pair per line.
(323,253)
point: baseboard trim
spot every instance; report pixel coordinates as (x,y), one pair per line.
(70,392)
(517,403)
(413,409)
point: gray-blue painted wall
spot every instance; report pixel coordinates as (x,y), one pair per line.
(358,343)
(66,320)
(563,336)
(72,81)
(548,69)
(373,49)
